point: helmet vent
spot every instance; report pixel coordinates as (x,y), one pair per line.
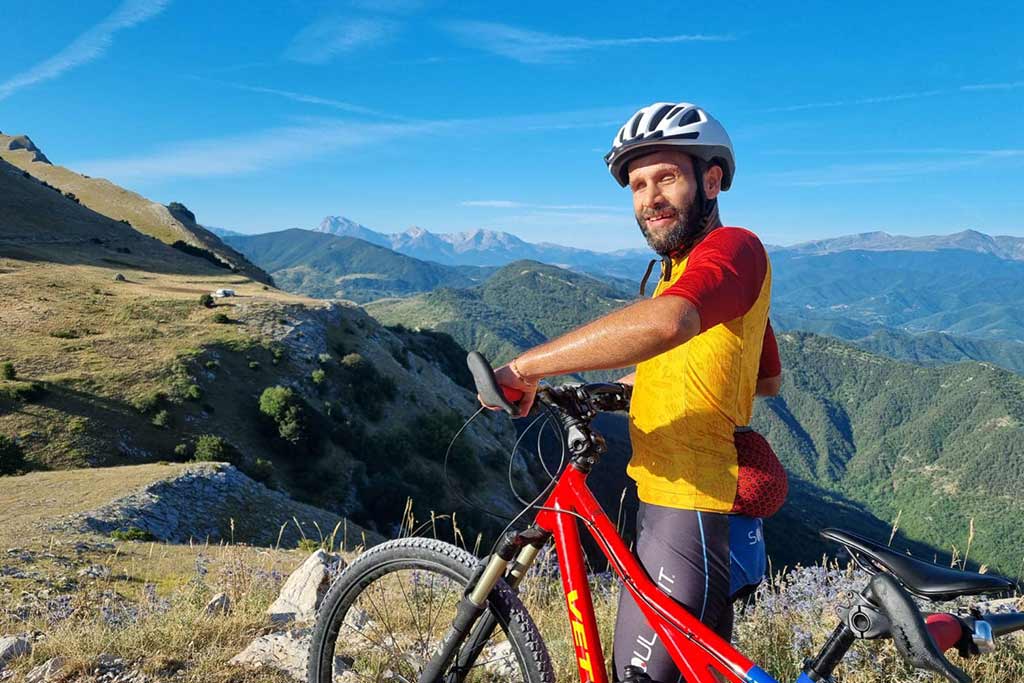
(636,124)
(658,116)
(688,118)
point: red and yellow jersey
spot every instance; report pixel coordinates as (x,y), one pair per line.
(689,401)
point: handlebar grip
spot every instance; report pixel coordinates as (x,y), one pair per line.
(487,386)
(945,629)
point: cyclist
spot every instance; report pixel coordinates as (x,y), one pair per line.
(703,347)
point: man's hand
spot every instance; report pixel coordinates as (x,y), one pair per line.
(508,379)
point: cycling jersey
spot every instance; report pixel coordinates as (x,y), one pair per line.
(688,402)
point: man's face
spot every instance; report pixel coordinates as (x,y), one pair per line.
(664,198)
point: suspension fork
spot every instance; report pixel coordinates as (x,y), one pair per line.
(510,561)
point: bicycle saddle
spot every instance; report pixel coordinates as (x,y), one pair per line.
(922,578)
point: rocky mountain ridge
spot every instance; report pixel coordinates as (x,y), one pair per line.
(172,224)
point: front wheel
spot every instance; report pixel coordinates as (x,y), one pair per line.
(388,612)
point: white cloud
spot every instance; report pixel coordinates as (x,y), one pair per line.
(881,99)
(247,153)
(1011,85)
(890,171)
(87,46)
(535,47)
(308,139)
(315,99)
(328,37)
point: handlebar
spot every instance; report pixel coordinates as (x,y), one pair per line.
(578,401)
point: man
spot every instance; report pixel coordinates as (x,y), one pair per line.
(703,349)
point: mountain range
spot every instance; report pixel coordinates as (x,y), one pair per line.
(331,266)
(482,247)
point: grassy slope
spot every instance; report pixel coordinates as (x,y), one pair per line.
(104,197)
(111,357)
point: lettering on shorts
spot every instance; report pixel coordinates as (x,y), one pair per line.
(645,648)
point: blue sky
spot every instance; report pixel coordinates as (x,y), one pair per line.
(846,117)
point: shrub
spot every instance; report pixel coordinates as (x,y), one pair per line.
(12,459)
(148,401)
(254,365)
(193,392)
(212,365)
(221,319)
(162,419)
(181,451)
(262,470)
(324,358)
(7,370)
(212,448)
(206,301)
(66,334)
(285,409)
(318,376)
(132,534)
(14,391)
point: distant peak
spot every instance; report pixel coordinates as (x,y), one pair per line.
(25,142)
(416,231)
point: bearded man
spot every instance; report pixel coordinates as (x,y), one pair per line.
(703,349)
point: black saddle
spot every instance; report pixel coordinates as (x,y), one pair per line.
(919,577)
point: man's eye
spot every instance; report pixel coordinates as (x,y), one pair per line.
(668,178)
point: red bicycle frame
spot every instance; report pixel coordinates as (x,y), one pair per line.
(698,652)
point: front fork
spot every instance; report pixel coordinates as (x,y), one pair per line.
(510,561)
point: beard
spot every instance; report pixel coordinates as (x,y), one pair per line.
(687,226)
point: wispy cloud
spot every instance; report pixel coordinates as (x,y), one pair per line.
(87,46)
(891,171)
(234,155)
(303,141)
(509,204)
(881,99)
(1010,85)
(314,99)
(328,37)
(535,47)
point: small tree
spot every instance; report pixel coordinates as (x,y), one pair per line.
(206,301)
(212,448)
(285,409)
(12,460)
(221,319)
(7,370)
(318,376)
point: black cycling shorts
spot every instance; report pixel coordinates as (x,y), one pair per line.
(703,560)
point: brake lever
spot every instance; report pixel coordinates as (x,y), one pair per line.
(908,630)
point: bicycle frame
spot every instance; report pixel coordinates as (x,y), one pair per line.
(698,652)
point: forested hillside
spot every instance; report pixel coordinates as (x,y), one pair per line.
(519,306)
(866,438)
(935,446)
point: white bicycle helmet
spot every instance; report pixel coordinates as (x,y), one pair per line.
(683,126)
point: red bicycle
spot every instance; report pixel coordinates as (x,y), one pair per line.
(420,610)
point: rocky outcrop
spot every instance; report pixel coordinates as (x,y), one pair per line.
(305,588)
(25,142)
(298,601)
(200,502)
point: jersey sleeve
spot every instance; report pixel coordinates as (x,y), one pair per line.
(723,276)
(771,364)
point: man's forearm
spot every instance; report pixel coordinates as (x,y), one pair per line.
(620,339)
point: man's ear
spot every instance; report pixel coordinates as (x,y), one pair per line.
(712,181)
